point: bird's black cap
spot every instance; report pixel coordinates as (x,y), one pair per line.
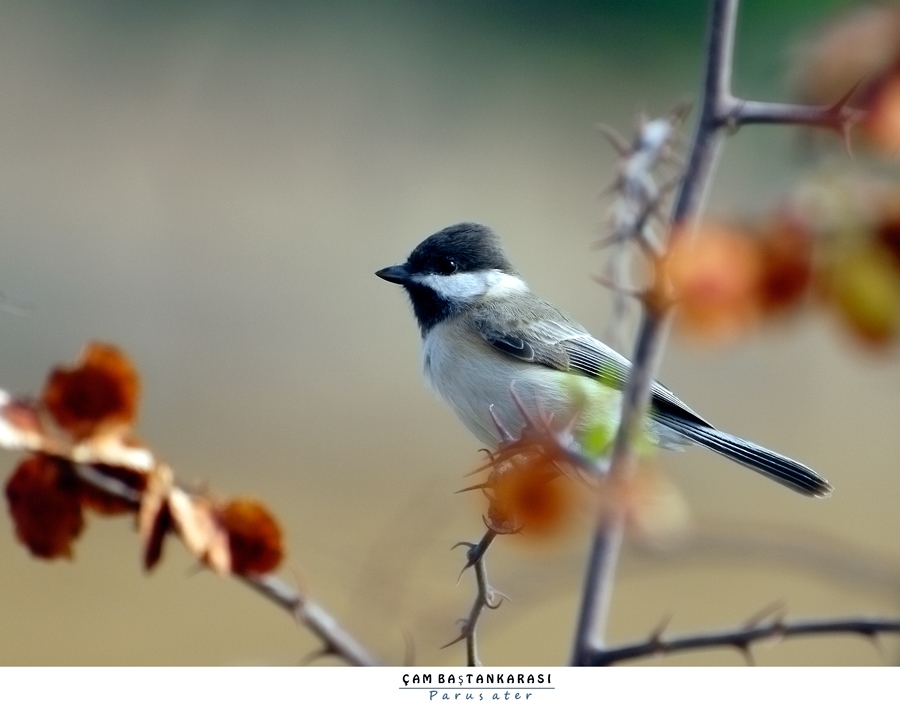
(470,246)
(463,248)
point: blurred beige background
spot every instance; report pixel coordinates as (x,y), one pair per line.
(212,187)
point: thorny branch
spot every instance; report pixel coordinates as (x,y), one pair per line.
(638,204)
(742,638)
(719,109)
(537,431)
(335,639)
(485,596)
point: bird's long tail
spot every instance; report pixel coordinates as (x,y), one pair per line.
(778,467)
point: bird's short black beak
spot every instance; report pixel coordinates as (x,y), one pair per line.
(398,274)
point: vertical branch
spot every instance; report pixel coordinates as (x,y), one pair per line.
(603,555)
(715,102)
(597,594)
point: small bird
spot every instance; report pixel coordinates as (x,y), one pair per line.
(484,333)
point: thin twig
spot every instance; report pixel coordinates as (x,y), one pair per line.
(742,638)
(752,112)
(485,596)
(335,639)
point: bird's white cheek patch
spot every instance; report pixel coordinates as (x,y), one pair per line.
(467,286)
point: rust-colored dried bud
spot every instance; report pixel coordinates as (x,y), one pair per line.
(853,47)
(786,252)
(44,501)
(254,536)
(714,278)
(531,495)
(97,394)
(654,510)
(887,233)
(881,122)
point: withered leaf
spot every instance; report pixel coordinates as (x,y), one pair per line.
(786,253)
(194,518)
(253,536)
(96,394)
(20,424)
(714,278)
(44,501)
(154,517)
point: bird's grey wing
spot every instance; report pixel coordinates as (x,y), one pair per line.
(553,340)
(541,334)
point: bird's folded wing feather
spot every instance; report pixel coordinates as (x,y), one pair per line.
(550,338)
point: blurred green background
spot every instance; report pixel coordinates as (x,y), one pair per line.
(212,185)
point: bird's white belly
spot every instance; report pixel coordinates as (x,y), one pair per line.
(472,377)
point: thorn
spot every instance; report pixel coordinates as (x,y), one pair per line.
(478,550)
(569,428)
(492,461)
(545,415)
(680,111)
(483,485)
(461,637)
(299,582)
(505,435)
(618,142)
(668,187)
(613,286)
(838,107)
(520,406)
(845,118)
(464,543)
(611,240)
(575,472)
(491,595)
(672,160)
(472,558)
(845,128)
(480,469)
(744,648)
(877,644)
(656,634)
(613,187)
(649,244)
(776,609)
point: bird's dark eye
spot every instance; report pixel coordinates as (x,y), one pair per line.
(447,265)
